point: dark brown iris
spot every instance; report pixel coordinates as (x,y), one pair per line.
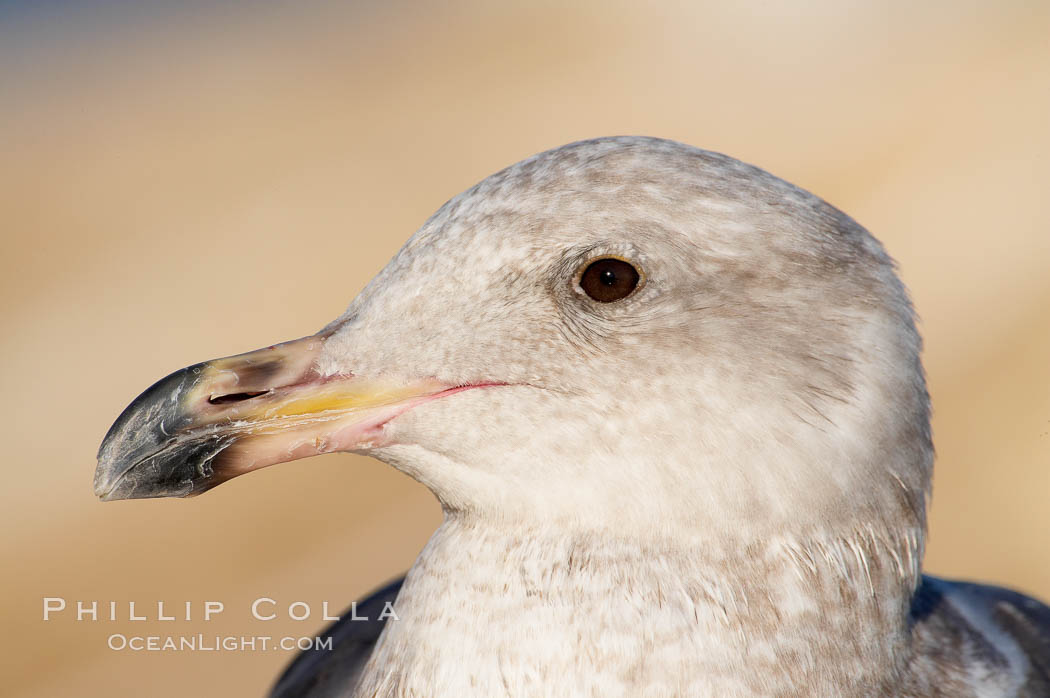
(607,280)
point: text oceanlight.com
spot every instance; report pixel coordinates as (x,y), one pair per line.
(214,643)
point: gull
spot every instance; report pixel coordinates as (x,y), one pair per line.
(674,411)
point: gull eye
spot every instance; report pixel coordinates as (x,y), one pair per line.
(609,279)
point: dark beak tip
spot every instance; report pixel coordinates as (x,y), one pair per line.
(136,485)
(105,496)
(104,481)
(101,490)
(129,463)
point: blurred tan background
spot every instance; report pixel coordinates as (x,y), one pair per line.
(180,181)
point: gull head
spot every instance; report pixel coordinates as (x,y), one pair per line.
(624,334)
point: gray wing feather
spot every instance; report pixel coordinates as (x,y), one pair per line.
(958,626)
(325,673)
(1027,621)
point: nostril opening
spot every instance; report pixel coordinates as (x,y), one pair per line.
(235,397)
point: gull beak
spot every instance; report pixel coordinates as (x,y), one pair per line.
(209,423)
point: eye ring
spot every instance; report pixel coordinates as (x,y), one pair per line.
(608,279)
